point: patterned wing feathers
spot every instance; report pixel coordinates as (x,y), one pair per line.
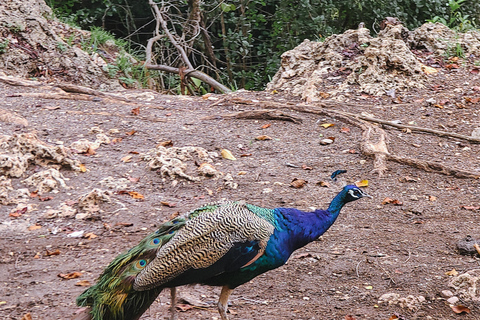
(203,241)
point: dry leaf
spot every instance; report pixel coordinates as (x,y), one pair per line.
(429,70)
(246,155)
(45,198)
(460,309)
(324,95)
(71,275)
(388,200)
(90,236)
(183,307)
(227,154)
(90,151)
(452,272)
(83,283)
(167,204)
(27,316)
(116,140)
(18,213)
(323,184)
(265,126)
(167,143)
(52,253)
(136,111)
(363,183)
(134,152)
(34,227)
(298,183)
(327,125)
(305,167)
(127,158)
(133,179)
(206,96)
(263,137)
(407,179)
(350,317)
(432,198)
(136,195)
(345,130)
(130,133)
(82,168)
(470,208)
(393,317)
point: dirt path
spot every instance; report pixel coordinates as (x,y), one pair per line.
(373,248)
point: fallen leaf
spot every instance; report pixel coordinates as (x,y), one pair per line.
(327,125)
(345,130)
(460,309)
(472,100)
(362,183)
(71,275)
(183,307)
(34,227)
(395,202)
(37,256)
(134,152)
(469,208)
(265,126)
(263,137)
(246,155)
(432,198)
(136,111)
(90,151)
(33,194)
(136,195)
(305,167)
(127,158)
(298,183)
(52,108)
(90,235)
(324,95)
(350,317)
(83,283)
(438,106)
(369,287)
(452,272)
(130,133)
(429,70)
(123,224)
(206,96)
(52,253)
(27,316)
(45,198)
(82,168)
(227,154)
(393,317)
(323,184)
(407,179)
(167,204)
(167,143)
(116,140)
(18,213)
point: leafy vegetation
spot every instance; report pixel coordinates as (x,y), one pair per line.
(247,38)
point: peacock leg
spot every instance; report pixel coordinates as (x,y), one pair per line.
(173,299)
(223,302)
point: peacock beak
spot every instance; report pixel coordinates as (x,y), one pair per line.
(366,195)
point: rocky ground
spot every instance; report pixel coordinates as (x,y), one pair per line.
(101,195)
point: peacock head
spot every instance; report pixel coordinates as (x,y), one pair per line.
(353,193)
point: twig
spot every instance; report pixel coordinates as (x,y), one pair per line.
(263,114)
(409,255)
(356,269)
(477,247)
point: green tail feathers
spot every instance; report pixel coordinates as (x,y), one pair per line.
(113,296)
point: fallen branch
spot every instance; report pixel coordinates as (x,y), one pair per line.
(191,73)
(262,114)
(378,149)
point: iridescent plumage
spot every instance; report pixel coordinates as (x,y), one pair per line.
(220,244)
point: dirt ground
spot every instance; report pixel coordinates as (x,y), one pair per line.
(373,248)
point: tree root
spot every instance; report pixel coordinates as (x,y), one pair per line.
(262,114)
(374,139)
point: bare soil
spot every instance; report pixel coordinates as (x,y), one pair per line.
(371,250)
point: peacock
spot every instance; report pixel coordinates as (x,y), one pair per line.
(219,244)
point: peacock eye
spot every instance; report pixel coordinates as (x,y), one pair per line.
(171,232)
(141,264)
(155,241)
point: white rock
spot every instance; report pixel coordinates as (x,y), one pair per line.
(476,133)
(452,300)
(447,293)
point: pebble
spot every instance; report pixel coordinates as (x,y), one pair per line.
(324,142)
(447,293)
(476,133)
(452,300)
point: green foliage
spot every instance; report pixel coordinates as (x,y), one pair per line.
(248,37)
(455,19)
(4,45)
